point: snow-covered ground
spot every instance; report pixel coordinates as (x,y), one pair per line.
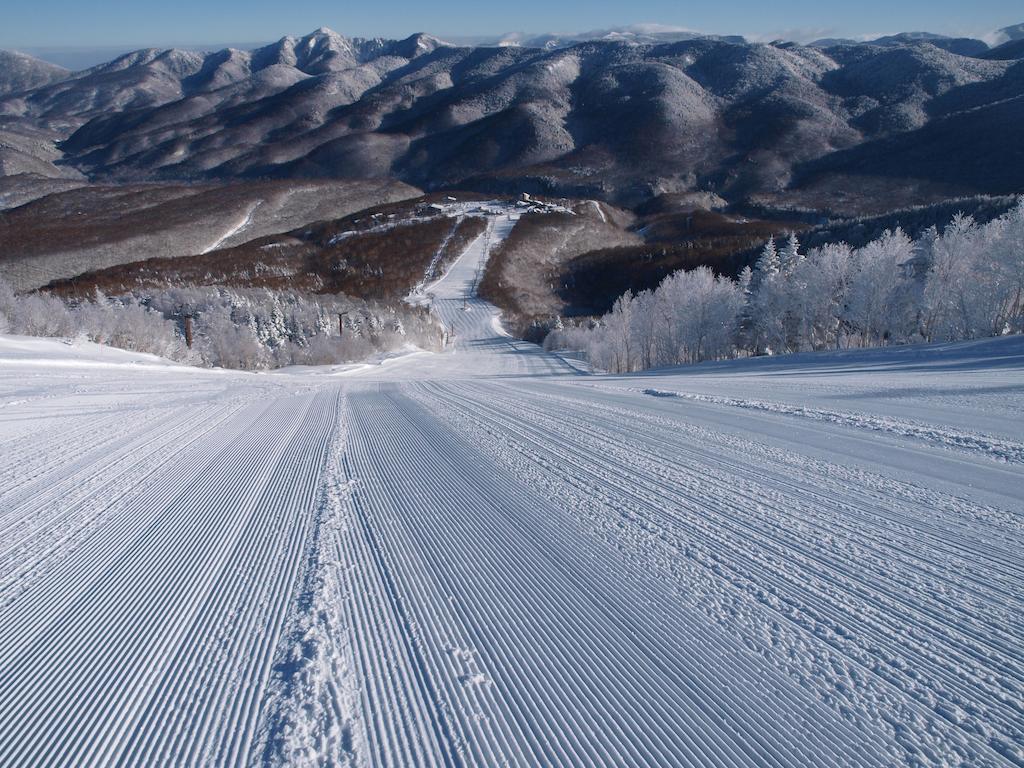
(483,558)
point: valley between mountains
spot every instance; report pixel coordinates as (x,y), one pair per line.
(488,556)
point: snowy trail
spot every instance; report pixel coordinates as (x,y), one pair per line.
(242,225)
(607,670)
(161,595)
(844,560)
(480,558)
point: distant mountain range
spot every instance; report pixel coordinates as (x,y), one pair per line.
(1009,34)
(20,72)
(622,115)
(637,34)
(71,57)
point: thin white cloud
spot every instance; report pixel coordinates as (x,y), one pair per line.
(651,28)
(796,35)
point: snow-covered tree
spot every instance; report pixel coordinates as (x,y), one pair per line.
(954,293)
(789,255)
(645,329)
(826,274)
(1006,254)
(767,265)
(964,283)
(619,333)
(874,308)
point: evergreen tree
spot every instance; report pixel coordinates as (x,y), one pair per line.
(789,255)
(767,266)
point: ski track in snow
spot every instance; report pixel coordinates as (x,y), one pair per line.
(239,227)
(482,558)
(1001,450)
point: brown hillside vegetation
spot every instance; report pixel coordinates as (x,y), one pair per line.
(23,188)
(573,265)
(330,257)
(98,226)
(523,275)
(592,281)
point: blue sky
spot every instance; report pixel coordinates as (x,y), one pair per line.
(136,23)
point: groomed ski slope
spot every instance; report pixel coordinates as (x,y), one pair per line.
(485,558)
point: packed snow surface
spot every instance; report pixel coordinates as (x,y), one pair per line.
(486,557)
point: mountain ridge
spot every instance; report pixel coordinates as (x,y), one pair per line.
(20,71)
(611,118)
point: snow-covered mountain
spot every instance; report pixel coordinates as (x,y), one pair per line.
(636,34)
(635,113)
(1011,33)
(152,77)
(964,46)
(20,72)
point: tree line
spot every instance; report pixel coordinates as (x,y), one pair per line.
(248,329)
(965,282)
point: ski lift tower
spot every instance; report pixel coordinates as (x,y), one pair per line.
(186,312)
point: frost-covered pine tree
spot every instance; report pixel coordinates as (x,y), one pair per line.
(744,280)
(769,302)
(743,326)
(767,265)
(789,255)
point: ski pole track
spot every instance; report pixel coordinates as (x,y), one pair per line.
(619,467)
(567,586)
